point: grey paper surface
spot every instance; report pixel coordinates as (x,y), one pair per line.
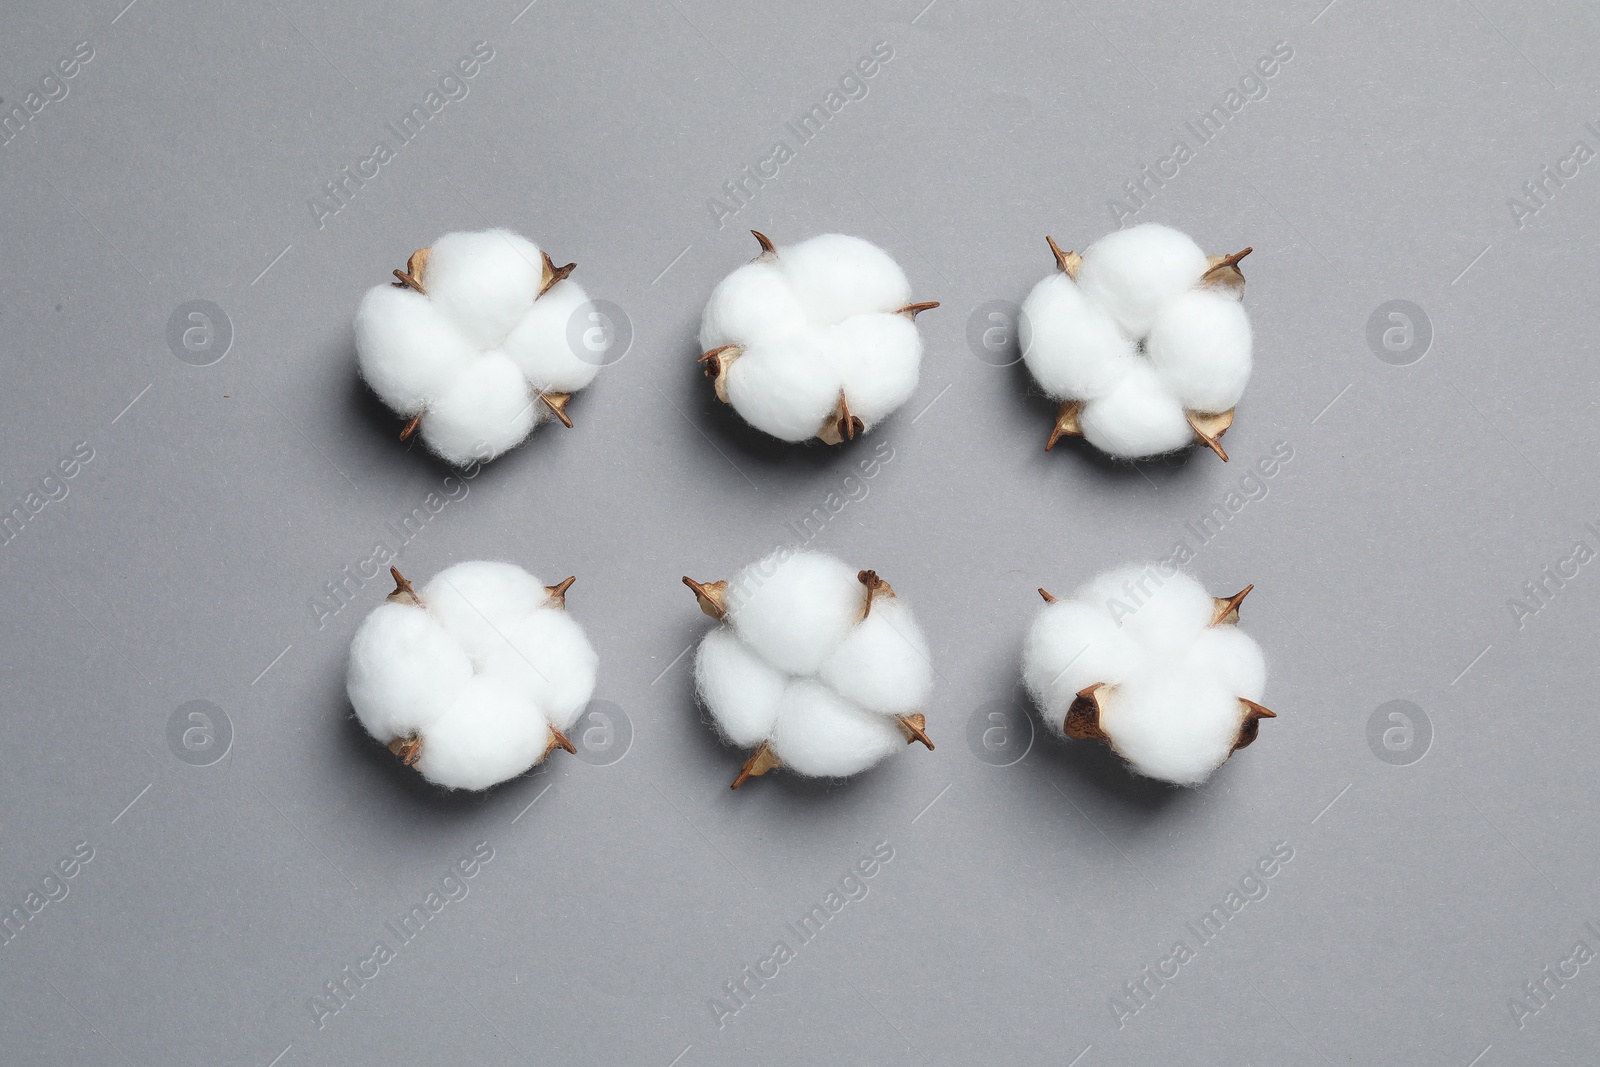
(240,861)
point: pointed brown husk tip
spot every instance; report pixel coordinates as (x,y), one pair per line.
(411,277)
(411,426)
(765,242)
(1250,727)
(1223,263)
(760,762)
(408,749)
(1083,716)
(403,592)
(558,592)
(1226,609)
(1048,599)
(1208,429)
(1067,262)
(915,727)
(553,273)
(559,740)
(875,586)
(911,311)
(711,596)
(557,403)
(1066,423)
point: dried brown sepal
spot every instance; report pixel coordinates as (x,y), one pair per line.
(760,762)
(403,593)
(915,727)
(1226,609)
(1066,423)
(553,273)
(718,361)
(411,426)
(1048,599)
(408,749)
(841,426)
(558,740)
(876,587)
(1250,727)
(911,311)
(711,596)
(1083,716)
(1067,262)
(412,275)
(1208,429)
(558,592)
(557,403)
(767,248)
(1223,272)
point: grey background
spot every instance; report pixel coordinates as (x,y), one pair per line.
(182,563)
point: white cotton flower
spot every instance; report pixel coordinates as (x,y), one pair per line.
(819,668)
(471,344)
(474,679)
(1151,664)
(1144,341)
(814,340)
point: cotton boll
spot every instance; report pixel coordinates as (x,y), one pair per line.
(1136,419)
(1200,346)
(486,410)
(1130,272)
(547,656)
(492,733)
(877,357)
(752,304)
(1071,346)
(1178,726)
(485,281)
(1162,613)
(406,350)
(1234,657)
(883,665)
(795,608)
(822,735)
(785,387)
(835,276)
(480,602)
(405,671)
(738,688)
(1072,645)
(541,344)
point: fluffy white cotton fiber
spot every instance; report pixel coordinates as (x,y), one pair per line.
(815,339)
(1177,681)
(819,667)
(475,345)
(1137,336)
(474,678)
